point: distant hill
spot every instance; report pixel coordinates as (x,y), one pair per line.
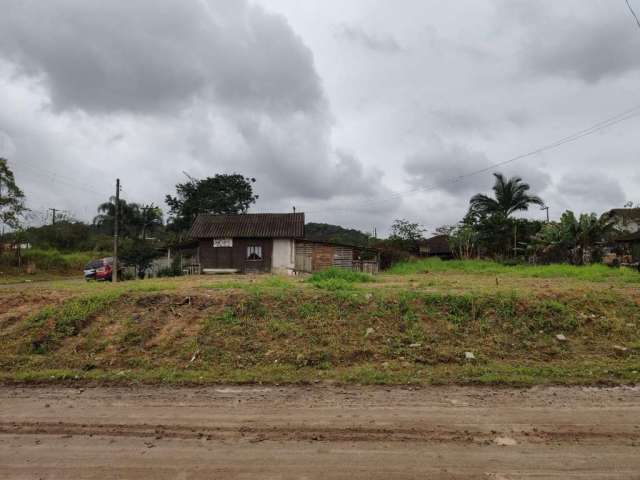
(325,232)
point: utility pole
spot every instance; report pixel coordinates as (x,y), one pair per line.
(115,233)
(53,218)
(547,209)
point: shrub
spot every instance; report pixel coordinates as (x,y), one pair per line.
(50,260)
(342,274)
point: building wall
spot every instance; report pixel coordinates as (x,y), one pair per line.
(322,256)
(235,257)
(283,258)
(313,256)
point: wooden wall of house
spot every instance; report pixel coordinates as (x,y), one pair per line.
(322,256)
(235,257)
(313,257)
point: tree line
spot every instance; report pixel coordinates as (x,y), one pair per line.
(490,230)
(142,228)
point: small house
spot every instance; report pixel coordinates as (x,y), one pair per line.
(625,220)
(437,246)
(269,242)
(624,246)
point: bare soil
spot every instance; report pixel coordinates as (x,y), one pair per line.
(323,431)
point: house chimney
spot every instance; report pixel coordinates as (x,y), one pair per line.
(294,209)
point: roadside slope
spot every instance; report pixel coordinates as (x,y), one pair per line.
(286,332)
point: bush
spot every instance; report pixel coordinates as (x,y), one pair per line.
(391,255)
(49,260)
(173,271)
(342,274)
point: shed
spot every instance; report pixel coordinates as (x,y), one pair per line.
(313,255)
(437,246)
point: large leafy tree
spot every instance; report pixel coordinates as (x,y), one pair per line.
(139,253)
(406,234)
(11,197)
(220,194)
(510,196)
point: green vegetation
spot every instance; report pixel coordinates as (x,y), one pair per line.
(594,273)
(277,329)
(338,279)
(52,325)
(51,260)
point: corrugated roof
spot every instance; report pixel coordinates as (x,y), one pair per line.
(624,213)
(261,225)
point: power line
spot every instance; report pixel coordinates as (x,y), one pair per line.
(619,118)
(633,12)
(61,179)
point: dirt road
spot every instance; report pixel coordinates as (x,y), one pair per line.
(319,432)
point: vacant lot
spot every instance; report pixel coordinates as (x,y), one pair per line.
(424,323)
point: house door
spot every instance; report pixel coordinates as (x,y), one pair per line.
(223,253)
(224,257)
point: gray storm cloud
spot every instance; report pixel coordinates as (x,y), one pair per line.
(568,40)
(362,114)
(149,55)
(228,86)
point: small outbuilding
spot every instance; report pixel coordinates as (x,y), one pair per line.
(437,246)
(270,242)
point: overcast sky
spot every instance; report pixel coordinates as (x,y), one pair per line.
(356,112)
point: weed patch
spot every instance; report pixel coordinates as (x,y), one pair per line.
(51,325)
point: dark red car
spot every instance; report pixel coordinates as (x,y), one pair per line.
(101,269)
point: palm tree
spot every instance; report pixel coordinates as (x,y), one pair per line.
(128,217)
(150,219)
(511,196)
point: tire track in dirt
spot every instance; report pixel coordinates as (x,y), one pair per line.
(564,434)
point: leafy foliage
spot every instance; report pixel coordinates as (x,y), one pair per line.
(571,239)
(510,196)
(139,253)
(406,234)
(134,220)
(220,194)
(11,197)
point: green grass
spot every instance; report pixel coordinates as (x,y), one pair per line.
(594,272)
(278,329)
(338,279)
(497,374)
(52,260)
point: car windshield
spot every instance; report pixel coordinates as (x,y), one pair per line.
(93,264)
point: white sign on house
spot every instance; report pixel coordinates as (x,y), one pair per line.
(222,242)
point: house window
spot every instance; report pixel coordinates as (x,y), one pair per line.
(254,252)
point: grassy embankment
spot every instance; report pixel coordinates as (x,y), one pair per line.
(331,327)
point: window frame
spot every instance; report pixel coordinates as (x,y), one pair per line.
(254,249)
